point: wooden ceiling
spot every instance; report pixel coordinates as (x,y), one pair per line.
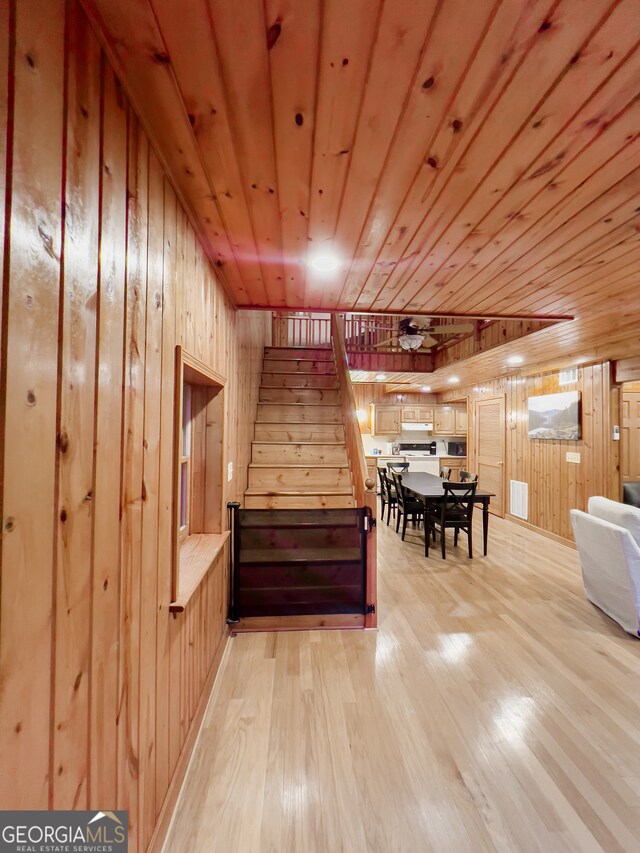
(461,157)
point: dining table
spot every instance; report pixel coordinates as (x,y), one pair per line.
(429,489)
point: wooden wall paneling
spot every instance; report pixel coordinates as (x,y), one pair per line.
(245,69)
(96,708)
(555,485)
(410,171)
(342,71)
(165,729)
(196,64)
(533,145)
(214,506)
(132,491)
(142,50)
(108,447)
(392,78)
(294,104)
(75,479)
(545,56)
(150,502)
(6,95)
(29,382)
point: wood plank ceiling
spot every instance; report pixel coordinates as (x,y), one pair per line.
(461,158)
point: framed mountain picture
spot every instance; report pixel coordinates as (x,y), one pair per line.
(555,416)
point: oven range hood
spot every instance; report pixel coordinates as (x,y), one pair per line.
(428,427)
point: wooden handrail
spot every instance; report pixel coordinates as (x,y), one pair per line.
(363,483)
(355,449)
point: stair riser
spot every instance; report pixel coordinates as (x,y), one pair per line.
(284,414)
(308,353)
(299,366)
(279,479)
(300,432)
(299,395)
(298,380)
(299,453)
(298,502)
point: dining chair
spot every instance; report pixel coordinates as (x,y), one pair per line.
(383,491)
(397,466)
(391,496)
(456,512)
(445,473)
(407,506)
(468,477)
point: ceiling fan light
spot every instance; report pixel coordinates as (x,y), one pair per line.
(410,342)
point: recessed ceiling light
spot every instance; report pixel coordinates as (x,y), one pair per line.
(380,377)
(515,359)
(454,379)
(324,263)
(426,388)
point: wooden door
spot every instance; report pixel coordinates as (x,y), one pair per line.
(630,463)
(409,414)
(425,416)
(489,449)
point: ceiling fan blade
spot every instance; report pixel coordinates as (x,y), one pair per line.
(429,342)
(453,329)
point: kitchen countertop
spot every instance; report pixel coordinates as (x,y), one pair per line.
(409,456)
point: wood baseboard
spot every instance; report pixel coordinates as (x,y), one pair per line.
(298,623)
(168,806)
(561,540)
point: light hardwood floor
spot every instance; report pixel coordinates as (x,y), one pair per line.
(495,709)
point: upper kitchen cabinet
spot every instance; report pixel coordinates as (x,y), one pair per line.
(461,422)
(385,420)
(444,421)
(417,414)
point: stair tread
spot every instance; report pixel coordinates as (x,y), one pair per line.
(314,490)
(310,466)
(294,403)
(295,441)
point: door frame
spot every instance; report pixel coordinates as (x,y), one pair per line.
(494,398)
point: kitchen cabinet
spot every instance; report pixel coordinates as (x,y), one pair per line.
(444,421)
(461,422)
(385,420)
(417,414)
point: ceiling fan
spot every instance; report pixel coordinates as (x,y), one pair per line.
(411,336)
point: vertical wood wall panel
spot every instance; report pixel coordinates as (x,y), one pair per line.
(74,516)
(99,685)
(108,446)
(555,485)
(30,358)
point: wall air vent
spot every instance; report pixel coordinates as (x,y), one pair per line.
(519,499)
(568,377)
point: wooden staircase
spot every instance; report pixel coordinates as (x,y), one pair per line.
(299,457)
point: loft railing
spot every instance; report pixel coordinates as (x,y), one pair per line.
(362,332)
(363,483)
(301,330)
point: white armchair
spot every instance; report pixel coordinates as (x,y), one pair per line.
(608,541)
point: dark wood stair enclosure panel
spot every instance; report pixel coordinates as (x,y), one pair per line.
(299,562)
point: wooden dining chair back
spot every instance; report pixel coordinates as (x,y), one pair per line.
(456,512)
(391,496)
(408,508)
(445,473)
(468,477)
(397,466)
